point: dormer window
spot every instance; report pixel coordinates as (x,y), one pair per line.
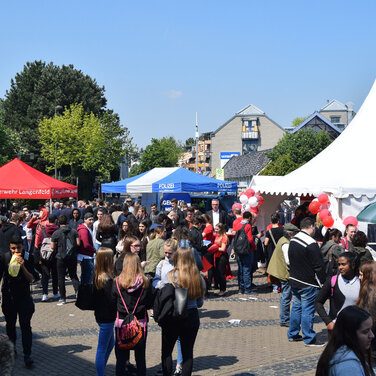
(335,119)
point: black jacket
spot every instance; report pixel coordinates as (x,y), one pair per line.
(104,307)
(306,262)
(130,298)
(16,287)
(164,304)
(222,217)
(195,237)
(336,301)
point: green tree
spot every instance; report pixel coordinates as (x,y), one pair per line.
(84,141)
(295,149)
(190,141)
(298,120)
(162,152)
(36,91)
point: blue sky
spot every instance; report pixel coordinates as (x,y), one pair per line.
(161,61)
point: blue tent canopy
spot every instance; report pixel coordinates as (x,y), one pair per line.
(169,179)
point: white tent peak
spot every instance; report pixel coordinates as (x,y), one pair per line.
(344,168)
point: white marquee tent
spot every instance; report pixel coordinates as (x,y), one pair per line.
(343,170)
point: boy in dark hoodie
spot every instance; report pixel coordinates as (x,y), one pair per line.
(48,266)
(16,295)
(76,219)
(8,230)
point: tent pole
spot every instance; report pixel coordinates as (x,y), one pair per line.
(50,205)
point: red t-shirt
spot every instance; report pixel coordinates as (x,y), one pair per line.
(208,233)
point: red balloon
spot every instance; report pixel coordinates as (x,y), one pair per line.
(323,198)
(328,221)
(260,200)
(314,207)
(254,210)
(250,192)
(324,213)
(350,220)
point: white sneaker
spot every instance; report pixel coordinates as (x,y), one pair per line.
(61,302)
(44,297)
(56,296)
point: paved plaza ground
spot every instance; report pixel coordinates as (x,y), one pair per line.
(65,338)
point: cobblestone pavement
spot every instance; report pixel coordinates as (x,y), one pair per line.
(65,339)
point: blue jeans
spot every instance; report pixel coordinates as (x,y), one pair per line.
(87,271)
(303,313)
(245,272)
(284,310)
(179,359)
(106,343)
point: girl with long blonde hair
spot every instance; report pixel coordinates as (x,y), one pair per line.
(132,288)
(104,311)
(184,274)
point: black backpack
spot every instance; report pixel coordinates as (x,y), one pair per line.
(70,247)
(241,246)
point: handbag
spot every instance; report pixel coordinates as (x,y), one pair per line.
(180,302)
(85,297)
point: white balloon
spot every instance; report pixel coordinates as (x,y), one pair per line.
(246,207)
(253,202)
(243,199)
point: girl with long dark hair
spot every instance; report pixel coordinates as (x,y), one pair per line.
(348,350)
(104,311)
(341,289)
(330,250)
(126,229)
(106,233)
(143,235)
(367,293)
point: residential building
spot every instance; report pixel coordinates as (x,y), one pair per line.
(248,131)
(317,123)
(188,158)
(338,114)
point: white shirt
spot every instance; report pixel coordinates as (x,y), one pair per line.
(285,251)
(215,218)
(94,233)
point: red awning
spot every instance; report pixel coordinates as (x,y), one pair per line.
(19,180)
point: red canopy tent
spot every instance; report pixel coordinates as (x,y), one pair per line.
(19,180)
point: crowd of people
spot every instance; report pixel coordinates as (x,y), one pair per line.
(310,265)
(127,254)
(132,257)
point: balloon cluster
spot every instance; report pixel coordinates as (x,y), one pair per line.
(249,201)
(321,205)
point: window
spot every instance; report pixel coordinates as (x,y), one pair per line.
(335,119)
(249,146)
(250,126)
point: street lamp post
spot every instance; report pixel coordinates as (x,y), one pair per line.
(57,108)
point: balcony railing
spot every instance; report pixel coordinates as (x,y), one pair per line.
(250,135)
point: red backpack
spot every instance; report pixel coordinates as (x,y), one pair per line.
(130,331)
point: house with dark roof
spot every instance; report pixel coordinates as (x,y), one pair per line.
(242,168)
(250,130)
(317,123)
